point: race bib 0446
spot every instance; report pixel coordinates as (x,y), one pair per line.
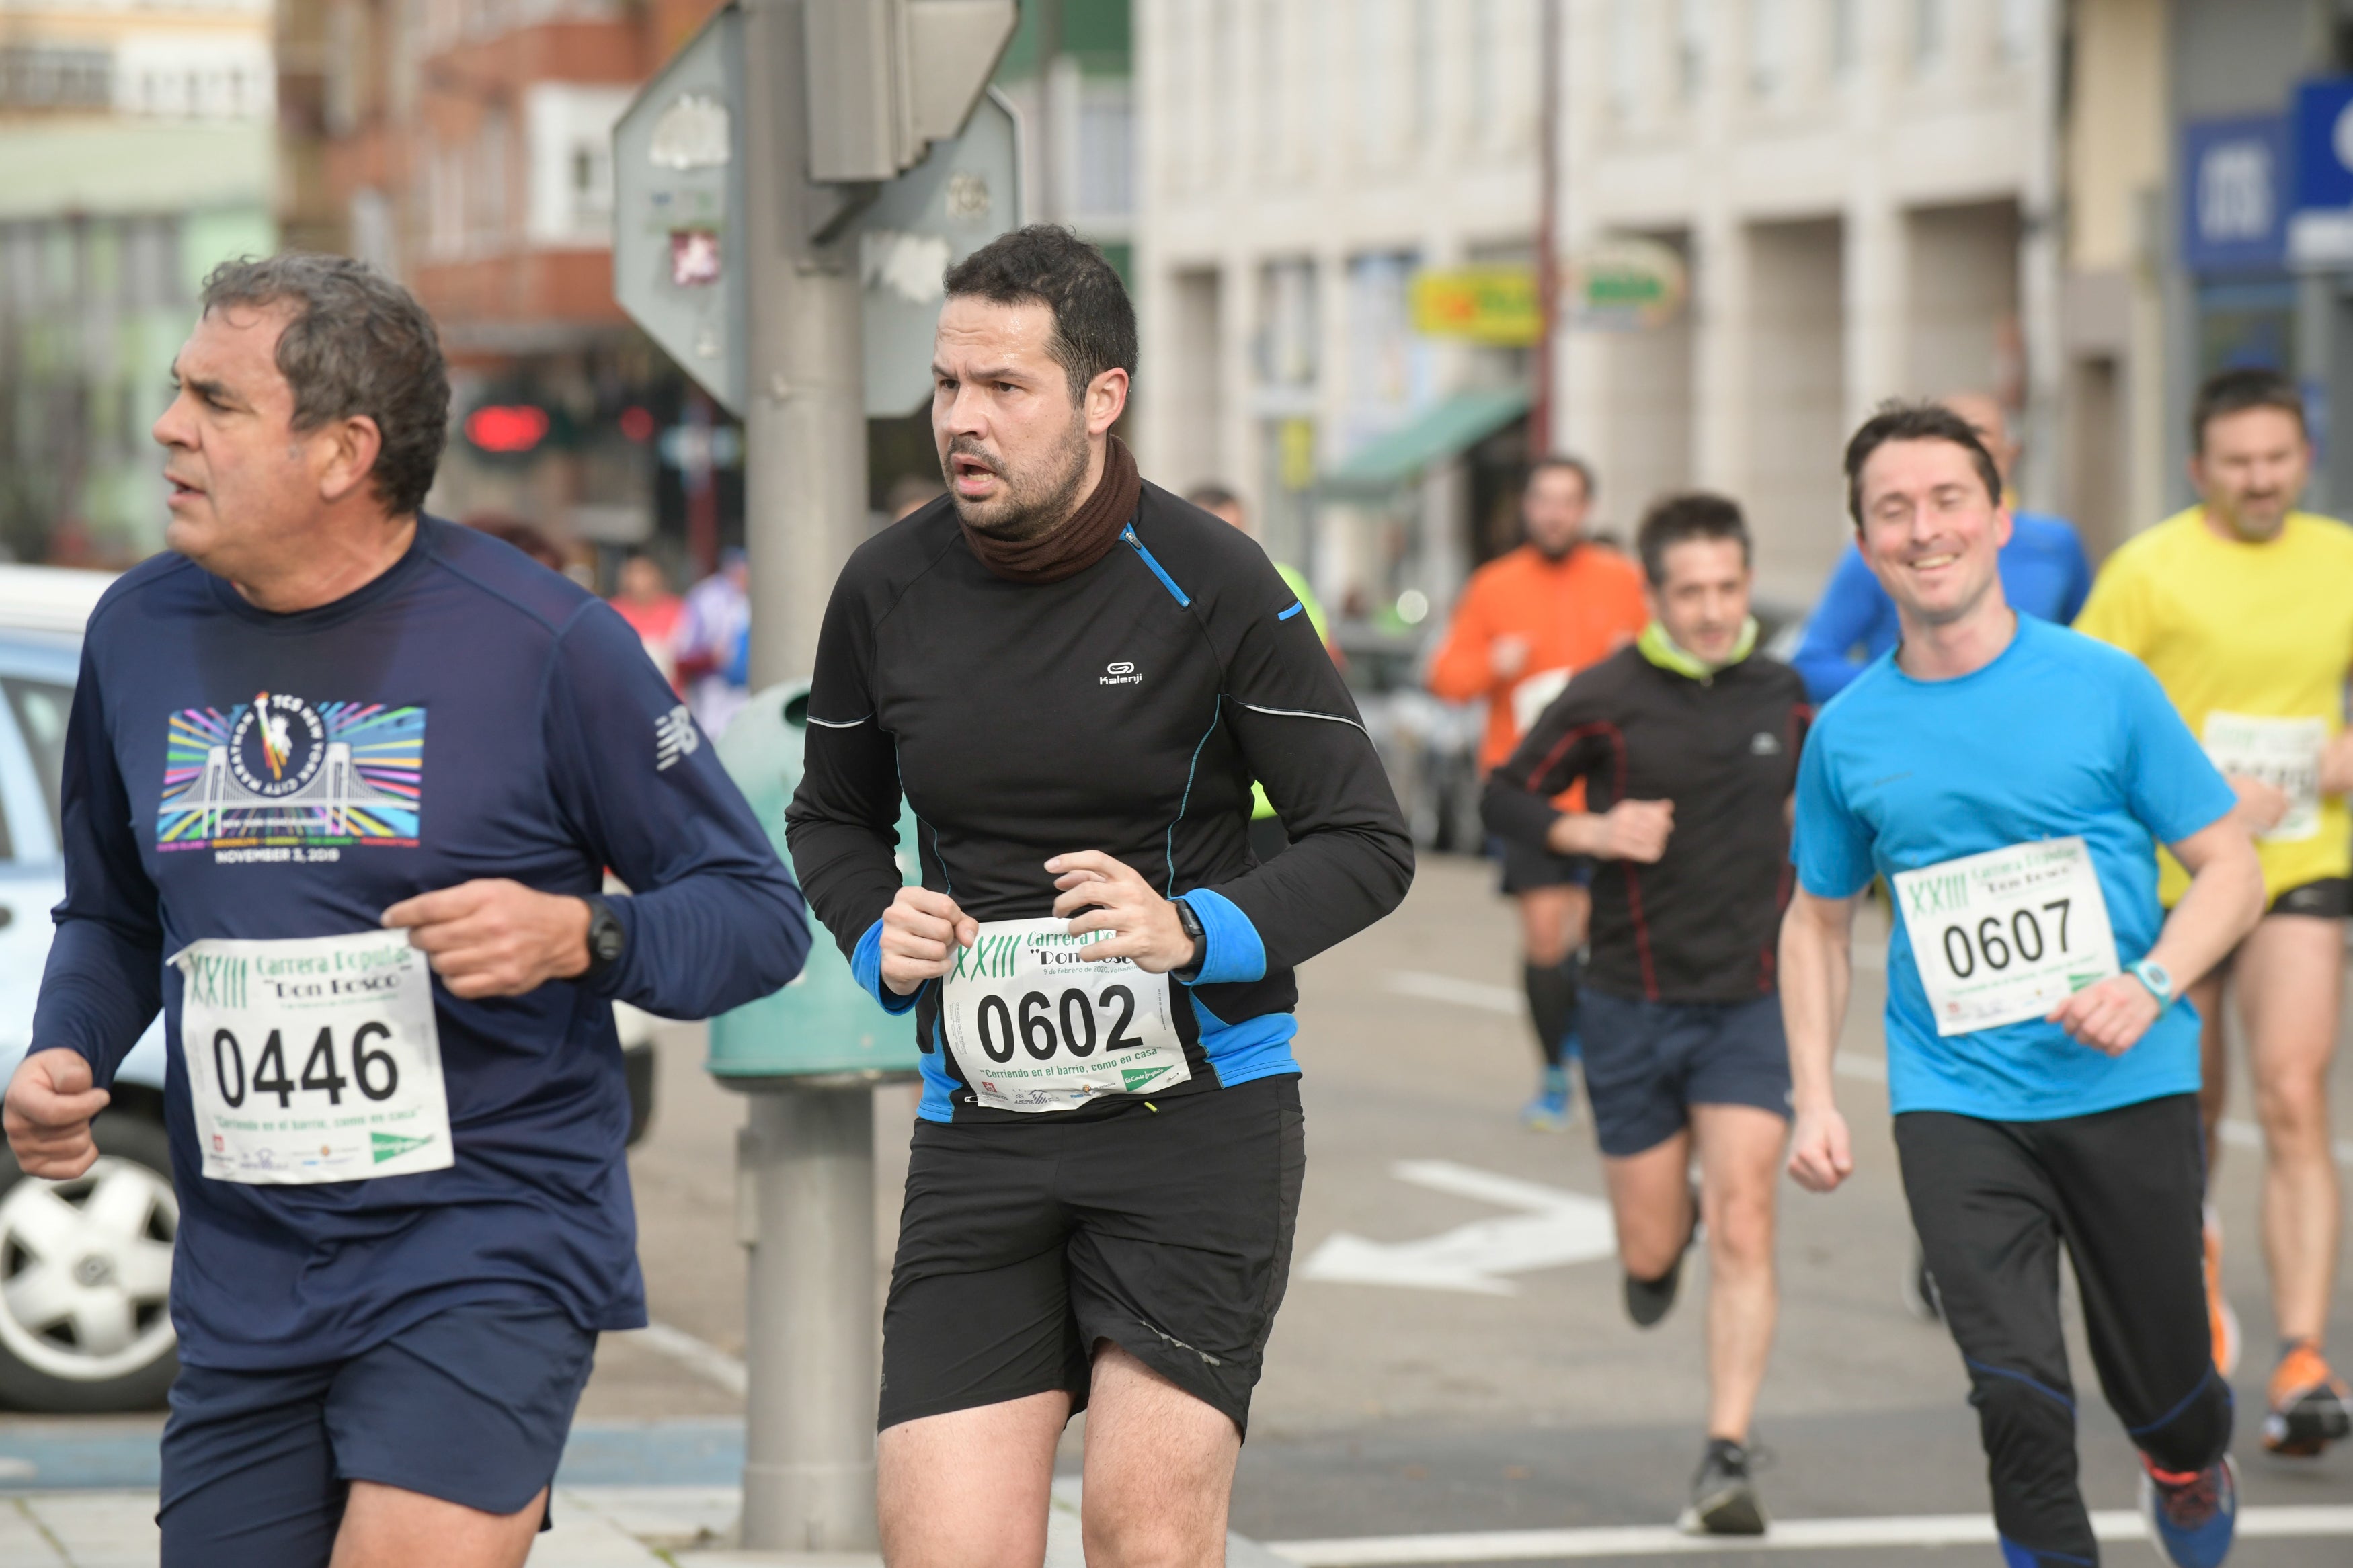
(313,1059)
(2007,935)
(2283,752)
(1036,1028)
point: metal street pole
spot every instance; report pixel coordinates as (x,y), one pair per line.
(805,1159)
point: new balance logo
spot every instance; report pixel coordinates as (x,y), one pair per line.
(675,736)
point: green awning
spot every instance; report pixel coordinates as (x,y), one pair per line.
(1389,461)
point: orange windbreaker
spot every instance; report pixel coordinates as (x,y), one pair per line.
(1572,613)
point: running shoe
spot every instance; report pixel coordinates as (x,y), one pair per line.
(2308,1405)
(1920,1298)
(1552,1110)
(1723,1499)
(2221,1321)
(1648,1301)
(2192,1516)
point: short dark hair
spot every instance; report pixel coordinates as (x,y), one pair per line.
(1210,496)
(356,345)
(1095,320)
(2236,391)
(1897,420)
(1577,465)
(1679,519)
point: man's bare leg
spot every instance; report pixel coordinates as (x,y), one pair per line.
(970,1488)
(1740,1162)
(1160,1470)
(386,1527)
(2290,987)
(1650,1200)
(1553,921)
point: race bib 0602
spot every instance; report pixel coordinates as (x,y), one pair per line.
(2283,752)
(1034,1027)
(313,1059)
(2005,936)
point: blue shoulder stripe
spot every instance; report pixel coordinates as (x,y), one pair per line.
(1158,571)
(1296,605)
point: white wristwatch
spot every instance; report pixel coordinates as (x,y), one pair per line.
(2158,979)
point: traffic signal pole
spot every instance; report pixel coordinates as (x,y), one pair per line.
(805,1156)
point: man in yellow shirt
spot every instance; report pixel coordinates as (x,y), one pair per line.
(2240,607)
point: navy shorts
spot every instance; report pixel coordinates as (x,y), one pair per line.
(1646,1063)
(470,1406)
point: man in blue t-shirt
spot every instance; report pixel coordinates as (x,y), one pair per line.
(340,786)
(2043,574)
(2011,781)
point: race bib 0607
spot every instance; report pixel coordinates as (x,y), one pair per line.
(313,1059)
(1034,1027)
(2283,752)
(2005,936)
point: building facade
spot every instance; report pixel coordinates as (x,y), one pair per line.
(137,143)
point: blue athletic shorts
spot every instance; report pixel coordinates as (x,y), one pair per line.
(1646,1063)
(470,1406)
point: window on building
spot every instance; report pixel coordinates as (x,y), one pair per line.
(1768,42)
(1105,183)
(1691,46)
(1484,24)
(1929,26)
(1625,57)
(41,76)
(1289,324)
(1272,95)
(1425,70)
(1376,116)
(2021,19)
(1846,39)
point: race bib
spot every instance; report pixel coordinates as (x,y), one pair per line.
(2284,753)
(314,1060)
(1534,694)
(1034,1027)
(2007,935)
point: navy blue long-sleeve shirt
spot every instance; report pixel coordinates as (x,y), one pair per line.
(474,715)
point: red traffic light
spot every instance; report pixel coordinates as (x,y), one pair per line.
(507,426)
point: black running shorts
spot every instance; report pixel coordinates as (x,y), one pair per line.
(2329,898)
(1527,868)
(1167,1231)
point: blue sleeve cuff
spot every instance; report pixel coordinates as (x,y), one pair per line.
(866,968)
(1231,951)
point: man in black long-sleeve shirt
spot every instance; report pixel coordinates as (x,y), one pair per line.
(1073,676)
(1688,745)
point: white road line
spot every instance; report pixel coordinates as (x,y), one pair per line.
(704,1360)
(1462,993)
(1787,1535)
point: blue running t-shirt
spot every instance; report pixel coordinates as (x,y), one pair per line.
(235,773)
(2058,736)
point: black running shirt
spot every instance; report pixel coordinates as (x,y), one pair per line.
(1127,709)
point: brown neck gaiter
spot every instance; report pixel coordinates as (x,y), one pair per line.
(1078,543)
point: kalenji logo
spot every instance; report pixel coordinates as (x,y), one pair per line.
(1122,673)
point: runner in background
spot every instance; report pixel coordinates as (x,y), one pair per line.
(1267,837)
(1526,622)
(1687,743)
(652,611)
(910,493)
(714,638)
(2043,573)
(2240,606)
(2010,778)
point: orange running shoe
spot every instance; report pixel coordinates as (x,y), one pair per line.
(2308,1405)
(2223,1322)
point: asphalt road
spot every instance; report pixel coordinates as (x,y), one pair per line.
(1520,1398)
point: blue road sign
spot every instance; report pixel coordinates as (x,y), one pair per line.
(2234,201)
(2320,229)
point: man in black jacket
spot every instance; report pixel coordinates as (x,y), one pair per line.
(1688,745)
(1074,676)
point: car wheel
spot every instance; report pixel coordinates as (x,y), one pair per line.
(86,1278)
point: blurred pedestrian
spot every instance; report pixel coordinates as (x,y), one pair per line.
(2043,574)
(525,536)
(1526,622)
(713,643)
(652,611)
(1267,837)
(1687,743)
(910,493)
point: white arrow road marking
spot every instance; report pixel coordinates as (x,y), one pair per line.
(1556,1228)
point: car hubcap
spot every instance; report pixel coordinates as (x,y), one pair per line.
(86,1271)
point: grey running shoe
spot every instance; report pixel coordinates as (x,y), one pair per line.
(1723,1499)
(1647,1300)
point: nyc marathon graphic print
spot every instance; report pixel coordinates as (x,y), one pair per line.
(285,779)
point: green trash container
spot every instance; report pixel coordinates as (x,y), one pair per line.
(823,1026)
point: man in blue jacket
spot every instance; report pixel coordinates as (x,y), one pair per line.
(342,782)
(2043,573)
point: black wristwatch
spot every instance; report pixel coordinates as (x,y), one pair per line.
(606,937)
(1191,923)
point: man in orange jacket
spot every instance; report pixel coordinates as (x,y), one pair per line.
(1526,622)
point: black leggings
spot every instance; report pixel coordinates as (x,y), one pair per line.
(1993,1201)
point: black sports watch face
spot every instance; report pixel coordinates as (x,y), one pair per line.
(1189,920)
(604,933)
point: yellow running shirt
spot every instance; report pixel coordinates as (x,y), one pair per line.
(2252,642)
